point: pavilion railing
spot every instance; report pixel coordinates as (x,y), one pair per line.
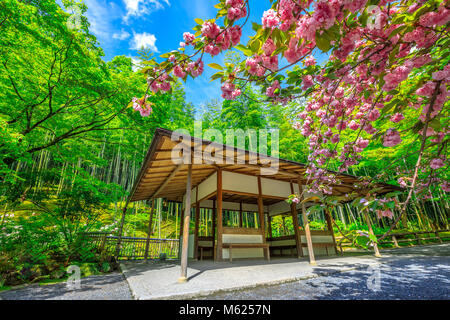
(133,248)
(417,237)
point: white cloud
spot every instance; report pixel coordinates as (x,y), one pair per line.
(138,8)
(146,40)
(122,35)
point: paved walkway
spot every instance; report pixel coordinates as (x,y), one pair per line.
(111,286)
(421,272)
(207,279)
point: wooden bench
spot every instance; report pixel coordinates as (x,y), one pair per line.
(290,247)
(202,248)
(230,246)
(325,245)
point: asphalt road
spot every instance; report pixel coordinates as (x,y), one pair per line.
(414,273)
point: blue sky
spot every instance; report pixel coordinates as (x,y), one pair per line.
(123,26)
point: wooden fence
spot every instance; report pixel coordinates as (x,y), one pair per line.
(133,248)
(418,237)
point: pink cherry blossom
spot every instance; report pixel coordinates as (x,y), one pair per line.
(229,91)
(307,82)
(353,125)
(188,37)
(397,117)
(269,47)
(391,138)
(310,61)
(210,29)
(270,90)
(436,163)
(178,71)
(270,19)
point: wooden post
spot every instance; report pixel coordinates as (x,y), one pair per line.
(197,221)
(375,246)
(219,215)
(269,225)
(312,260)
(187,219)
(298,239)
(394,239)
(103,243)
(119,240)
(213,231)
(261,215)
(417,239)
(240,214)
(149,232)
(330,227)
(181,230)
(261,210)
(437,236)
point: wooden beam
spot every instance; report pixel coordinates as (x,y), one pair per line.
(187,219)
(312,260)
(149,230)
(174,172)
(219,216)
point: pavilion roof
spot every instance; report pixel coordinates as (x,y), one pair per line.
(161,177)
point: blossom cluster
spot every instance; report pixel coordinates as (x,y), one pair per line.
(143,106)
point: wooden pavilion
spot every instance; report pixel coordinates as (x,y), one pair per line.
(205,174)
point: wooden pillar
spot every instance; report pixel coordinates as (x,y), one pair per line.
(213,231)
(119,239)
(187,219)
(261,209)
(375,246)
(261,215)
(298,239)
(330,227)
(149,231)
(269,225)
(312,260)
(197,221)
(240,214)
(219,216)
(181,230)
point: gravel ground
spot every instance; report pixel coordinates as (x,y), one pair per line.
(415,273)
(112,286)
(410,277)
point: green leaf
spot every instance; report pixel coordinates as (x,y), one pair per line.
(215,66)
(199,21)
(217,75)
(244,50)
(322,42)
